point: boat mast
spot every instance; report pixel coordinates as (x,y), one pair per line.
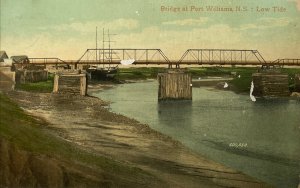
(108,54)
(109,51)
(96,45)
(103,47)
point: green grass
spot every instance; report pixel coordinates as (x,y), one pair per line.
(31,134)
(151,72)
(291,73)
(241,84)
(41,87)
(242,79)
(139,73)
(209,71)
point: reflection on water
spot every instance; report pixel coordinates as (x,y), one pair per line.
(167,109)
(261,139)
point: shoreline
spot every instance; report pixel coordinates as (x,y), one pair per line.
(112,135)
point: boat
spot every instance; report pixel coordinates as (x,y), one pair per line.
(96,72)
(102,72)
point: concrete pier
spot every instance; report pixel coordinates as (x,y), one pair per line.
(271,84)
(73,83)
(175,84)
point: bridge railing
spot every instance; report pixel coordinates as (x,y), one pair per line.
(290,62)
(221,56)
(46,60)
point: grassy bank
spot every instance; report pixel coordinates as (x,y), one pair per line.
(291,73)
(242,76)
(139,73)
(241,83)
(30,134)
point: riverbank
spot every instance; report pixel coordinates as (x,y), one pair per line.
(87,122)
(238,78)
(33,155)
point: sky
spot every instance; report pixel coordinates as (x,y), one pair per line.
(66,28)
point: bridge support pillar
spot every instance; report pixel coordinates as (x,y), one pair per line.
(175,84)
(297,82)
(271,84)
(7,78)
(72,83)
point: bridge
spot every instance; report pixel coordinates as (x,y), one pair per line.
(222,57)
(115,56)
(157,57)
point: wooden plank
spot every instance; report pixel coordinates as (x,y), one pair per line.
(70,83)
(174,84)
(297,82)
(268,84)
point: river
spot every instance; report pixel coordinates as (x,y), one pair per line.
(261,139)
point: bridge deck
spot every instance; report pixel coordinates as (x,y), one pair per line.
(140,62)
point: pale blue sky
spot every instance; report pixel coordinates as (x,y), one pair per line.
(65,28)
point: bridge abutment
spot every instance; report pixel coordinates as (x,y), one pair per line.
(7,78)
(70,82)
(271,84)
(297,82)
(175,84)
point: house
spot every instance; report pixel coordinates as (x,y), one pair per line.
(7,77)
(20,59)
(3,56)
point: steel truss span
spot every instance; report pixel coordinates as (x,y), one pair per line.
(221,57)
(140,56)
(157,57)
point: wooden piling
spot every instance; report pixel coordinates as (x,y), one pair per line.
(175,84)
(297,82)
(7,78)
(73,83)
(31,76)
(271,84)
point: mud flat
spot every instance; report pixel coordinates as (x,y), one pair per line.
(210,82)
(88,122)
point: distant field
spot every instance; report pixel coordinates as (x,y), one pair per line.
(242,76)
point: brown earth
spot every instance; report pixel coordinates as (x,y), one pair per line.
(87,122)
(20,168)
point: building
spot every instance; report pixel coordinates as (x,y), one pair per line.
(20,59)
(3,56)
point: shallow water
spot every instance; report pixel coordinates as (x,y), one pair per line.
(259,138)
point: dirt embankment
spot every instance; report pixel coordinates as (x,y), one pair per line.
(20,168)
(87,122)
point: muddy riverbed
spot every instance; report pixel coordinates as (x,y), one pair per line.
(88,122)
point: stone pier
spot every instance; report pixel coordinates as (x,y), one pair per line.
(271,84)
(175,84)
